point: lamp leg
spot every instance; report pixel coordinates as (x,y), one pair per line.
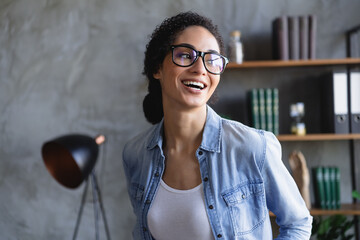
(97,190)
(80,210)
(96,207)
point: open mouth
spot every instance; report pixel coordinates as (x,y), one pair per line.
(195,85)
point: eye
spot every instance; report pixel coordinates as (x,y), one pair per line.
(183,55)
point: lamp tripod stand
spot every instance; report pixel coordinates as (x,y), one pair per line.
(98,204)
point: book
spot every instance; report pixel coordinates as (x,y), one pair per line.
(261,102)
(275,109)
(318,183)
(280,42)
(354,102)
(337,188)
(332,180)
(312,36)
(268,109)
(334,111)
(254,108)
(327,187)
(304,37)
(293,31)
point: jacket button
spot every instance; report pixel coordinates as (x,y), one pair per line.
(148,201)
(157,174)
(211,207)
(219,236)
(200,153)
(206,179)
(144,229)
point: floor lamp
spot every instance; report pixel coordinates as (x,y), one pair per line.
(70,159)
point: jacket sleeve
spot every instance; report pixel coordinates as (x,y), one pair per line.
(282,194)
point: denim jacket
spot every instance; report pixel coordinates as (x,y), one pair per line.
(243,178)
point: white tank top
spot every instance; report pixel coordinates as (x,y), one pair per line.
(179,214)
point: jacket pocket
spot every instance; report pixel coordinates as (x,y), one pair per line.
(247,207)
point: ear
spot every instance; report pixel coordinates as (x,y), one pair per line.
(157,75)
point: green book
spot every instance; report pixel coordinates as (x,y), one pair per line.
(337,188)
(318,183)
(275,110)
(332,201)
(268,109)
(254,107)
(261,95)
(327,187)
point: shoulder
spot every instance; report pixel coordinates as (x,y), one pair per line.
(250,141)
(141,142)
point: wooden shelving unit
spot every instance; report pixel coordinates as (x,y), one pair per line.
(318,137)
(293,63)
(345,209)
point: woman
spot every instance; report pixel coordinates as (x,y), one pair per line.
(195,175)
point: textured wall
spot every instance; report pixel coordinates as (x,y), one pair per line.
(75,66)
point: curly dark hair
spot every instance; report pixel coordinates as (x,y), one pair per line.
(159,45)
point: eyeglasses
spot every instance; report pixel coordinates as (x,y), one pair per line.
(184,56)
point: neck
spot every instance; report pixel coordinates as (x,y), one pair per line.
(183,129)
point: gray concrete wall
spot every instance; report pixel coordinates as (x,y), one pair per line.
(75,66)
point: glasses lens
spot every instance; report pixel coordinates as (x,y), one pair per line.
(183,56)
(214,62)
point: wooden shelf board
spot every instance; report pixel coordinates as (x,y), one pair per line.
(346,209)
(293,63)
(318,137)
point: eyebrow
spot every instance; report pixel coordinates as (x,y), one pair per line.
(191,46)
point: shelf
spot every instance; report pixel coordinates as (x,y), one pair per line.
(346,209)
(318,137)
(293,63)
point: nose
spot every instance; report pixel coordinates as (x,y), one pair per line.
(199,66)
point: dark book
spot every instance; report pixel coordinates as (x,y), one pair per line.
(355,102)
(334,105)
(318,184)
(269,109)
(327,187)
(337,188)
(312,36)
(304,37)
(280,45)
(294,45)
(261,102)
(275,109)
(254,108)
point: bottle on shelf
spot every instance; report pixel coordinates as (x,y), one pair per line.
(235,47)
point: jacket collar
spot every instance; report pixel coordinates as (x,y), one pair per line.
(211,136)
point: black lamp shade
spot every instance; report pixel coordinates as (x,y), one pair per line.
(70,158)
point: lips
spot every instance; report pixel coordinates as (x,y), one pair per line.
(194,84)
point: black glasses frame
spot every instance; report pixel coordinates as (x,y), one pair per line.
(198,54)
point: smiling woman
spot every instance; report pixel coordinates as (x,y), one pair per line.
(195,175)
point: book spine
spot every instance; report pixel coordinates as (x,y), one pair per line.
(275,109)
(337,188)
(318,182)
(304,36)
(312,36)
(327,187)
(280,39)
(261,102)
(332,176)
(254,105)
(268,109)
(293,25)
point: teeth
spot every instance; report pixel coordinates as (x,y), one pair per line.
(194,84)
